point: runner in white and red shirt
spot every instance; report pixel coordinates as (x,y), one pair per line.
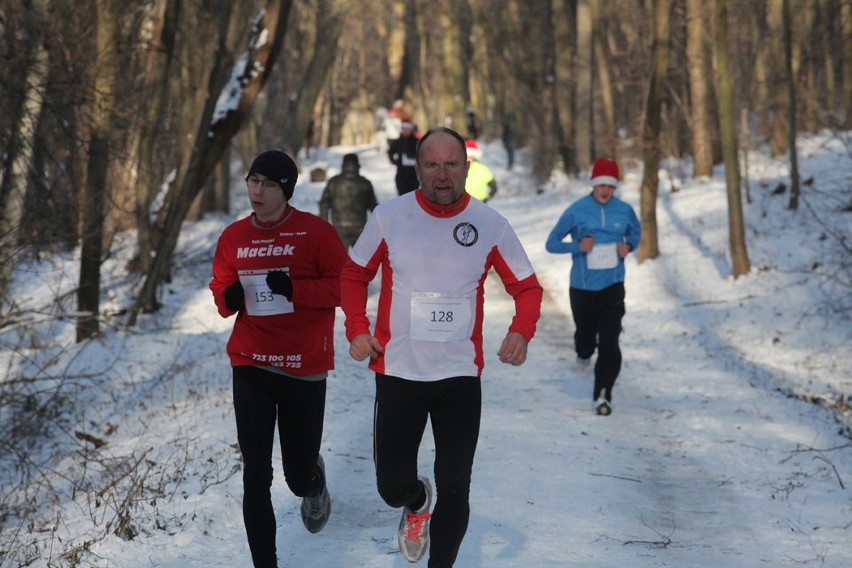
(278,270)
(435,247)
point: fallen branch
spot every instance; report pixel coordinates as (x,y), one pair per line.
(616,477)
(840,481)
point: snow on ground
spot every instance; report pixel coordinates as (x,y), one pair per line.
(714,455)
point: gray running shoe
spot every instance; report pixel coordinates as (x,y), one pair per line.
(414,527)
(583,363)
(316,510)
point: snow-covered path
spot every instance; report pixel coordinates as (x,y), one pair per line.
(704,462)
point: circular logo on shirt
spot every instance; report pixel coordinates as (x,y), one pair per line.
(465,234)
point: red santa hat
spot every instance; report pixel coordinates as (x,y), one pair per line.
(473,151)
(605,172)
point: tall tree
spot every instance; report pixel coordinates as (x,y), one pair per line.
(583,85)
(699,88)
(233,86)
(331,16)
(727,120)
(609,145)
(790,82)
(19,149)
(565,39)
(846,32)
(158,65)
(93,198)
(651,128)
(777,107)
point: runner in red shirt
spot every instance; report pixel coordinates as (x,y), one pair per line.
(278,270)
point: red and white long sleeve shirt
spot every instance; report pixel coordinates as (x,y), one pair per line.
(293,335)
(434,260)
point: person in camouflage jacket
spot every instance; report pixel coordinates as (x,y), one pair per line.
(346,200)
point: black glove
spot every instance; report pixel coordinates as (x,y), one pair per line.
(234,296)
(279,282)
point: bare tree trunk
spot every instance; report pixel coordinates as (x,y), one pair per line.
(160,56)
(19,150)
(536,17)
(648,245)
(610,146)
(696,53)
(331,16)
(215,132)
(777,93)
(746,148)
(566,104)
(791,107)
(846,30)
(454,95)
(94,193)
(584,96)
(736,225)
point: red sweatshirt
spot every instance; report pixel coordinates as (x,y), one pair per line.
(270,330)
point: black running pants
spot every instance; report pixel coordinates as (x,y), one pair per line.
(402,408)
(260,399)
(597,319)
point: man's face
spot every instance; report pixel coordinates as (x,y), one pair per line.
(442,168)
(266,196)
(603,193)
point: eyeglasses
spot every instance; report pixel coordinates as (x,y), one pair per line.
(253,182)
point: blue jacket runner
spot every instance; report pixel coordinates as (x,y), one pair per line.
(615,222)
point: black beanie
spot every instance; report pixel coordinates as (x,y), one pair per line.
(278,167)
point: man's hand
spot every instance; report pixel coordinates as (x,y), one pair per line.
(363,346)
(234,296)
(513,351)
(279,282)
(624,249)
(587,243)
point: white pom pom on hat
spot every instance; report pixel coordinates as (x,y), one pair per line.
(473,151)
(605,172)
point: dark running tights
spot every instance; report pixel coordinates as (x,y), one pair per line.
(401,410)
(597,317)
(260,398)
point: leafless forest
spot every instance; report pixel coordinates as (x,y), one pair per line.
(113,114)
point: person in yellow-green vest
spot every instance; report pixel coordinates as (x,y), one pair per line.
(481,182)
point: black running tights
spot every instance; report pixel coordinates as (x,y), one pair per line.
(402,407)
(260,398)
(597,317)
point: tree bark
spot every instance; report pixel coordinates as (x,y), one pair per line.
(94,193)
(846,30)
(700,93)
(566,105)
(648,245)
(790,83)
(584,94)
(156,87)
(19,150)
(609,147)
(736,224)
